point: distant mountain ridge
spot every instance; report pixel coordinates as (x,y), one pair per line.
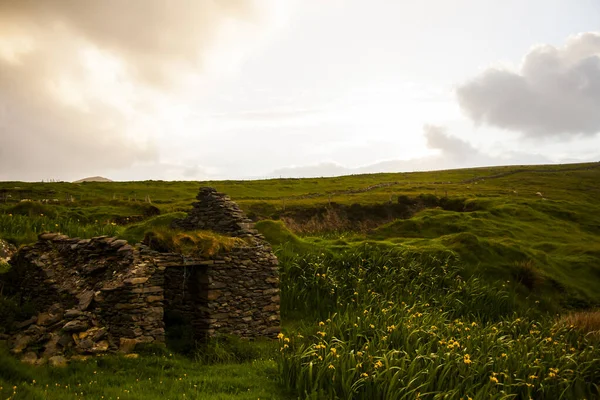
(93,179)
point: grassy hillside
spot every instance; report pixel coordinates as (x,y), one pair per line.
(394,286)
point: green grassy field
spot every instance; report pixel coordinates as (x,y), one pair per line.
(447,284)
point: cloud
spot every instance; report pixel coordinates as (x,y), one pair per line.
(152,37)
(450,147)
(86,86)
(556,91)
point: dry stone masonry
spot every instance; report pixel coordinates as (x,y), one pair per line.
(216,212)
(104,295)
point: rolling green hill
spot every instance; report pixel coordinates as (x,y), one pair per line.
(430,284)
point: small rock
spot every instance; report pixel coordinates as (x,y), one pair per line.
(47,236)
(51,348)
(45,319)
(132,355)
(58,361)
(76,326)
(29,358)
(85,299)
(127,345)
(21,342)
(137,281)
(99,334)
(125,248)
(26,323)
(65,340)
(35,331)
(41,361)
(118,243)
(80,358)
(59,238)
(100,347)
(85,345)
(72,313)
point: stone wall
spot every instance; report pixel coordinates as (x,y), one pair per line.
(102,294)
(243,285)
(89,296)
(215,212)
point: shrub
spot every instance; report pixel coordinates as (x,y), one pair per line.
(451,204)
(405,200)
(429,200)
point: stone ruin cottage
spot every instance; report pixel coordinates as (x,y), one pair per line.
(104,295)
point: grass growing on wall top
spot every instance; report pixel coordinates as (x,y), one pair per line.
(191,243)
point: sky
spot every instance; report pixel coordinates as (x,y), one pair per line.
(246,89)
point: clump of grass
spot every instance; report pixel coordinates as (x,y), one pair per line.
(526,273)
(190,243)
(21,229)
(232,349)
(135,232)
(588,322)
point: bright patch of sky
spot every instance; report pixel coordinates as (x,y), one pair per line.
(241,89)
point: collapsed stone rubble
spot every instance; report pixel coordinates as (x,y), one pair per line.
(100,295)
